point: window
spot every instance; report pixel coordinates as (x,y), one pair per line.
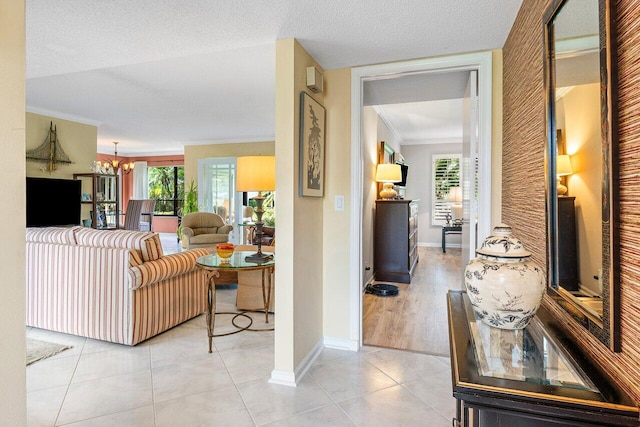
(166,187)
(446,174)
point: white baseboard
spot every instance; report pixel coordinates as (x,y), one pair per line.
(291,379)
(430,245)
(341,343)
(283,378)
(439,245)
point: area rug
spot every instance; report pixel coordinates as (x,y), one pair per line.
(38,350)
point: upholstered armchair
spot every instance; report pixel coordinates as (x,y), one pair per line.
(204,229)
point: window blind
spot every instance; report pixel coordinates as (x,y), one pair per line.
(446,174)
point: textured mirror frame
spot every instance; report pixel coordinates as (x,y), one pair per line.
(607,329)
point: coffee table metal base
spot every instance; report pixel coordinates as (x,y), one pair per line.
(211,266)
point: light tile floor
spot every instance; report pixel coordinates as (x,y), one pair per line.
(171,380)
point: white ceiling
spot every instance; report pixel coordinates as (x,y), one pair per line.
(431,122)
(160,74)
(421,108)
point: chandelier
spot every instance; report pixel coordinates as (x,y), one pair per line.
(116,164)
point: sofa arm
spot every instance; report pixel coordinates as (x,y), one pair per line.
(225,229)
(163,268)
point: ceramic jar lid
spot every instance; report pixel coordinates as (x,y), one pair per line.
(502,244)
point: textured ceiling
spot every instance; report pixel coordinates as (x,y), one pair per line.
(159,74)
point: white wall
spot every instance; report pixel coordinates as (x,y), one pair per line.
(496,139)
(385,134)
(419,186)
(13,406)
(370,146)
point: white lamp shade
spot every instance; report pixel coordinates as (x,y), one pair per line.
(256,173)
(388,172)
(454,195)
(563,165)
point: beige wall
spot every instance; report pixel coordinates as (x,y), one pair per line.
(13,405)
(583,143)
(336,255)
(192,153)
(299,278)
(79,141)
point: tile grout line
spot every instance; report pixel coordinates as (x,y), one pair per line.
(235,385)
(64,398)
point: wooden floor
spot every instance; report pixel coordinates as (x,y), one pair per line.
(416,319)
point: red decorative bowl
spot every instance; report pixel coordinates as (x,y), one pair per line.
(224,250)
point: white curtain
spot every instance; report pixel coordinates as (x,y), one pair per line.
(140,181)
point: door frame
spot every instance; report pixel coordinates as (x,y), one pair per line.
(479,61)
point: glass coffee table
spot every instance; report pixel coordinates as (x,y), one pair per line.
(213,264)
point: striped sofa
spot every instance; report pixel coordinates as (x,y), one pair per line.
(109,285)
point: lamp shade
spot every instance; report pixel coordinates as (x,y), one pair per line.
(388,172)
(454,195)
(256,173)
(563,165)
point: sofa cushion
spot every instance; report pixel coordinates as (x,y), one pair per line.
(58,235)
(147,243)
(135,258)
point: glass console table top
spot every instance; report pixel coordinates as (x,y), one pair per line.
(236,261)
(523,355)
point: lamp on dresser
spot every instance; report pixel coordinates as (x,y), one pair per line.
(388,174)
(563,168)
(257,174)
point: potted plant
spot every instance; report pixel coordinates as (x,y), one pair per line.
(190,204)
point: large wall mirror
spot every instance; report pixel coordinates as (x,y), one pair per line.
(581,164)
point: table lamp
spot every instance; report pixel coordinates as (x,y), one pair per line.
(257,173)
(563,168)
(388,174)
(455,197)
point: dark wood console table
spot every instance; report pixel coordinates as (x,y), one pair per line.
(532,377)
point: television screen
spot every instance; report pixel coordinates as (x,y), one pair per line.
(405,170)
(53,202)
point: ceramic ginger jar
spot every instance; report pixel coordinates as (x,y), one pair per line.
(504,287)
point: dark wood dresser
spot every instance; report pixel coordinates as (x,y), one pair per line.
(395,240)
(567,241)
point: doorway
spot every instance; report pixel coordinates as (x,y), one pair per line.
(217,191)
(361,212)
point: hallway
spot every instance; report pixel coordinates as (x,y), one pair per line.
(416,319)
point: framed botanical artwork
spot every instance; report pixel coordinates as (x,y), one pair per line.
(312,155)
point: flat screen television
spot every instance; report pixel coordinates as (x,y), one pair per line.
(405,170)
(53,202)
